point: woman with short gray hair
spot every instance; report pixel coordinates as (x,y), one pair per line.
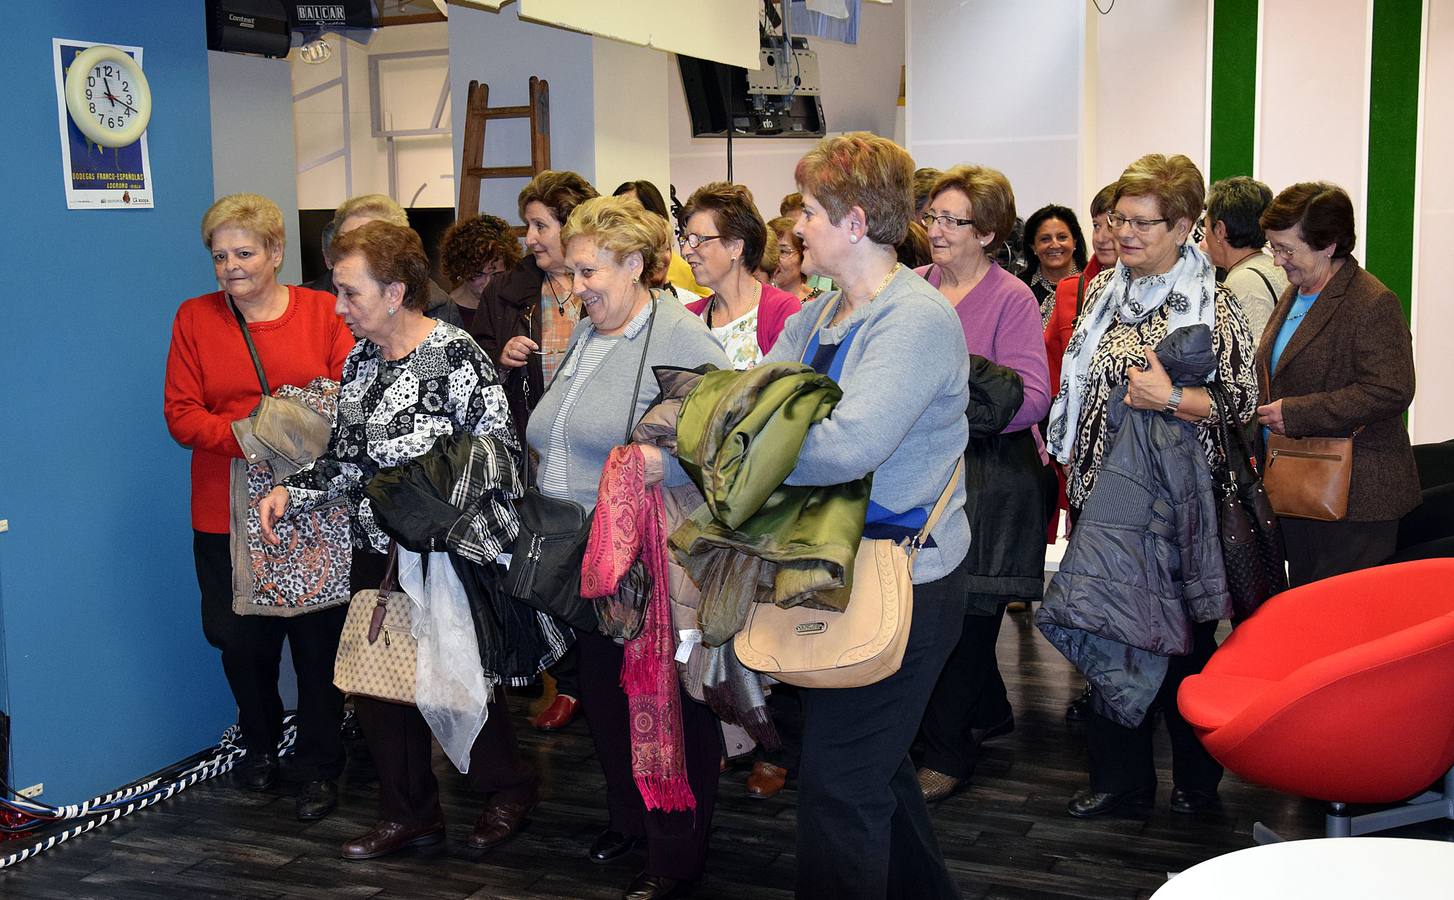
(1234,241)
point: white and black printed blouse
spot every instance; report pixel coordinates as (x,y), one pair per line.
(1121,347)
(391,411)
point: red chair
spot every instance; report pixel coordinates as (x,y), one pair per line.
(1341,690)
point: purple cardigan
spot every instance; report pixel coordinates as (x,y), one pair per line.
(1002,323)
(773,309)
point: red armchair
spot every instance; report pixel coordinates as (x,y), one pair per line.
(1341,690)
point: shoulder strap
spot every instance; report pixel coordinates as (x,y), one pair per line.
(1270,291)
(640,368)
(937,511)
(1079,294)
(817,326)
(257,363)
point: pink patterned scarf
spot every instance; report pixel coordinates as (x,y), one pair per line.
(630,521)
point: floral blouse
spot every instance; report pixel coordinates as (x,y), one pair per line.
(391,411)
(1122,347)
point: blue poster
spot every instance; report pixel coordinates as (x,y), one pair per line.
(98,177)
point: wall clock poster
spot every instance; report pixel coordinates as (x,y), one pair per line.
(98,176)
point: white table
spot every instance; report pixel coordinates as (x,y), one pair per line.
(1366,868)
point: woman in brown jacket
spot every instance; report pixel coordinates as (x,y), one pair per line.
(1337,355)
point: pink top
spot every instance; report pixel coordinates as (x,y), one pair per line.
(773,310)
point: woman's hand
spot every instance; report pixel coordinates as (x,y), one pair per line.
(1270,417)
(517,351)
(270,510)
(1148,388)
(655,469)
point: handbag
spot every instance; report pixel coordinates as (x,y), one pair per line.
(865,642)
(1308,478)
(1251,538)
(545,560)
(377,650)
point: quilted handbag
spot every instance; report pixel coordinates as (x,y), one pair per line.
(1251,537)
(377,650)
(865,642)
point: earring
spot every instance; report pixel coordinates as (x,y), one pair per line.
(984,243)
(393,309)
(853,239)
(636,279)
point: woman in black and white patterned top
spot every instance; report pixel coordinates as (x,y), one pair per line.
(409,381)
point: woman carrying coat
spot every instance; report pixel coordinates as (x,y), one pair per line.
(1337,358)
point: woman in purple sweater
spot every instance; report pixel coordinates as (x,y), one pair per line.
(971,210)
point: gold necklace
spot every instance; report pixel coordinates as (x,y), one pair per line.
(844,312)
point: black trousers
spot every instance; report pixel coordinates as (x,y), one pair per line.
(1317,550)
(676,842)
(863,828)
(970,694)
(785,705)
(252,650)
(1120,757)
(567,673)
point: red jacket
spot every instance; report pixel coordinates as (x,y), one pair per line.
(211,382)
(1062,321)
(773,310)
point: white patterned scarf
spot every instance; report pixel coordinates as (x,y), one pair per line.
(1189,290)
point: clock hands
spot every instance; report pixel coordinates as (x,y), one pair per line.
(113,98)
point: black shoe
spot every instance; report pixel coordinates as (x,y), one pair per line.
(1088,803)
(350,729)
(259,774)
(1079,708)
(611,845)
(655,887)
(980,735)
(319,798)
(1192,801)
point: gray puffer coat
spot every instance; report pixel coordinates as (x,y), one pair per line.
(1144,560)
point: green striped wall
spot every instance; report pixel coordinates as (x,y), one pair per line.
(1393,128)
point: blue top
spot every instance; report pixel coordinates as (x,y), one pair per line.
(1300,306)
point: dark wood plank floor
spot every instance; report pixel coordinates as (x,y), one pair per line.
(1006,836)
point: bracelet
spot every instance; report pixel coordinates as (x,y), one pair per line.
(1173,402)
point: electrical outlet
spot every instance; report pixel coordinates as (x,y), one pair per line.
(30,793)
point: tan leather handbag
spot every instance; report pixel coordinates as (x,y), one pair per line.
(865,643)
(1308,478)
(377,650)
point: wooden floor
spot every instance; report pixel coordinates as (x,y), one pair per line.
(1006,836)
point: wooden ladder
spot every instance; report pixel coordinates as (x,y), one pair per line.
(477,112)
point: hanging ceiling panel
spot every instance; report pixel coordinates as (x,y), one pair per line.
(724,31)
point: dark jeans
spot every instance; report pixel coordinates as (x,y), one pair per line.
(1120,757)
(970,694)
(676,842)
(252,650)
(1318,550)
(863,828)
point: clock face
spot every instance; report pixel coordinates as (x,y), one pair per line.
(108,96)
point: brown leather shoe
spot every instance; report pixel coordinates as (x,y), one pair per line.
(936,785)
(766,780)
(390,837)
(558,714)
(499,822)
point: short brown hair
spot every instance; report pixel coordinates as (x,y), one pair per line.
(782,228)
(469,246)
(250,212)
(914,250)
(924,181)
(864,170)
(392,254)
(791,203)
(734,215)
(1175,182)
(558,191)
(623,226)
(379,207)
(1322,212)
(991,200)
(1104,199)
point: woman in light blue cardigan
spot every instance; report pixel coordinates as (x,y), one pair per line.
(896,347)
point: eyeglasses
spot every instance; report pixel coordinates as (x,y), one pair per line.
(696,240)
(1141,226)
(928,220)
(786,251)
(1284,252)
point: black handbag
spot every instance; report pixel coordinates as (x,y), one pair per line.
(545,560)
(1251,537)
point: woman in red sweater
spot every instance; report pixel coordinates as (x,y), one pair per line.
(211,383)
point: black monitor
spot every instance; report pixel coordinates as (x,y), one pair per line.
(718,93)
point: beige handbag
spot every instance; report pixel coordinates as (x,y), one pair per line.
(1308,478)
(377,650)
(865,643)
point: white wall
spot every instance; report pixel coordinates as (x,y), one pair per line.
(1431,419)
(252,141)
(860,93)
(503,51)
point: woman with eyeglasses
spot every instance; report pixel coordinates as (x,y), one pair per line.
(789,275)
(723,241)
(1162,282)
(1337,358)
(971,210)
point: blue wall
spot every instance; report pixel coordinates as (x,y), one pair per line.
(108,676)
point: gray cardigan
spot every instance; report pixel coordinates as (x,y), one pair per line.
(598,420)
(905,385)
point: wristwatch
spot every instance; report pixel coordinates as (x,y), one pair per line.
(1173,402)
